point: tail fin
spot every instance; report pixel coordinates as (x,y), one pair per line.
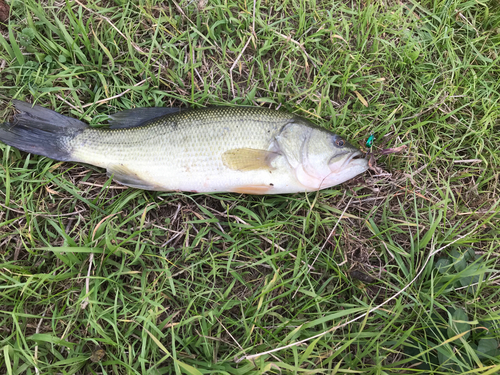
(41,131)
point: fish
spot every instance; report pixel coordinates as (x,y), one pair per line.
(243,149)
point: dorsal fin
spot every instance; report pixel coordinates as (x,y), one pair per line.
(131,118)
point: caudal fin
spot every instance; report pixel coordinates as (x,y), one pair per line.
(41,131)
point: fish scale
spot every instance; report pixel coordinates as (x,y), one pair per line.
(172,151)
(216,149)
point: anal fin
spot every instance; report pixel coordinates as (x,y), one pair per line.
(123,175)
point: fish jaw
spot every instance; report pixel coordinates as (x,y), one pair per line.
(346,167)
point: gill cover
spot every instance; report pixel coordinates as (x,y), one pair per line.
(307,159)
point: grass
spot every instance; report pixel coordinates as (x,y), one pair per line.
(98,278)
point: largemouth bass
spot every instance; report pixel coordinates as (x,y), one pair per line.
(248,150)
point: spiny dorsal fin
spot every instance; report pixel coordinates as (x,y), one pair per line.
(131,118)
(248,159)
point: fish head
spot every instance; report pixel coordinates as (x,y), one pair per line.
(346,162)
(321,159)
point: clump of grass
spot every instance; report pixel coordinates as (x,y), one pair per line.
(96,277)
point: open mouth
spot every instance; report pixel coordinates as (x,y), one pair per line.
(354,159)
(358,155)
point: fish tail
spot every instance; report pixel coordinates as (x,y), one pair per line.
(41,131)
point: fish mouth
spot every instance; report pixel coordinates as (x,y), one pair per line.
(348,160)
(355,158)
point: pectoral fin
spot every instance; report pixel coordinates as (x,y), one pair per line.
(125,176)
(248,159)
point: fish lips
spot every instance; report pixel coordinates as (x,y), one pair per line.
(346,160)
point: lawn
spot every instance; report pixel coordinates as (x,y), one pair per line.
(396,271)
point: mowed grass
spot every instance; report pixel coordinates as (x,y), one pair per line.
(99,278)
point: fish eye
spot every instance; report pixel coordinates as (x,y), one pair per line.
(339,142)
